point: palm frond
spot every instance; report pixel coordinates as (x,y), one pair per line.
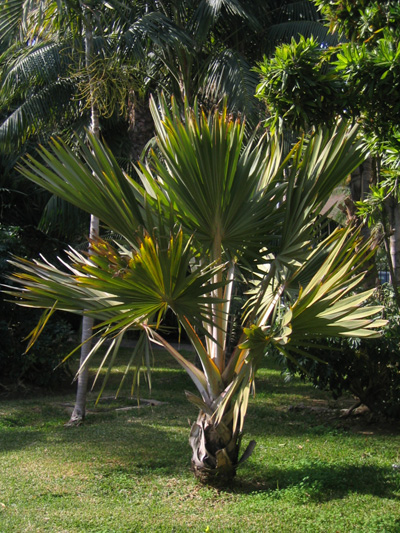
(122,289)
(229,75)
(94,183)
(318,166)
(297,10)
(210,178)
(158,29)
(285,31)
(209,11)
(327,305)
(11,13)
(320,296)
(63,219)
(35,114)
(38,65)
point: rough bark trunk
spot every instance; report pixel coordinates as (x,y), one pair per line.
(215,451)
(394,213)
(361,179)
(141,127)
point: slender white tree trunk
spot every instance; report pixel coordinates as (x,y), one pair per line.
(79,411)
(78,414)
(395,240)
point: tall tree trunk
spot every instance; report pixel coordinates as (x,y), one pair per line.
(394,223)
(360,181)
(79,411)
(141,126)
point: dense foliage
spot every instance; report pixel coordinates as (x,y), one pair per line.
(299,86)
(362,20)
(35,368)
(308,83)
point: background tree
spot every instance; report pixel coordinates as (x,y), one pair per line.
(309,85)
(78,43)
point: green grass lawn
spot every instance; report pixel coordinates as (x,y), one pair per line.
(129,470)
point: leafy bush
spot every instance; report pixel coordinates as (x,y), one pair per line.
(36,367)
(299,87)
(368,369)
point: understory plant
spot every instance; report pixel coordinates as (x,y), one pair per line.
(211,210)
(367,369)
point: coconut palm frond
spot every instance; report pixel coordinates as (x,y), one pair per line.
(11,13)
(297,10)
(39,65)
(285,31)
(158,29)
(36,113)
(63,219)
(229,75)
(209,12)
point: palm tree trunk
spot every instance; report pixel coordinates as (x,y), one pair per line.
(215,451)
(78,414)
(394,216)
(141,127)
(361,180)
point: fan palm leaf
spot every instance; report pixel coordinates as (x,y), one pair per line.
(96,183)
(210,180)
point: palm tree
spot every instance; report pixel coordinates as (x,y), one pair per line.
(59,49)
(211,211)
(195,48)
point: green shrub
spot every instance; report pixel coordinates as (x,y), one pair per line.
(368,369)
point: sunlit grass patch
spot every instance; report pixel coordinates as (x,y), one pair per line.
(129,470)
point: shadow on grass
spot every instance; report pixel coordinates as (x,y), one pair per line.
(19,439)
(153,442)
(142,442)
(25,423)
(319,482)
